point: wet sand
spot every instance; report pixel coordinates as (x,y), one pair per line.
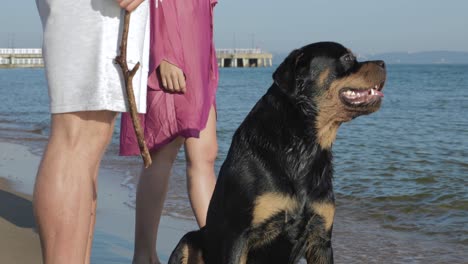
(19,242)
(113,241)
(355,240)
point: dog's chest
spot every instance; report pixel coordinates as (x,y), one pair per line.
(277,214)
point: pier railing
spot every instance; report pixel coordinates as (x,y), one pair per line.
(239,51)
(21,58)
(14,58)
(20,51)
(220,51)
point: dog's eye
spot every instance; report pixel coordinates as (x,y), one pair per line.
(348,58)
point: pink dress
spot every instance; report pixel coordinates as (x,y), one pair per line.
(182,34)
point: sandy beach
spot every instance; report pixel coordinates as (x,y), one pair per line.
(19,242)
(113,241)
(354,241)
(17,227)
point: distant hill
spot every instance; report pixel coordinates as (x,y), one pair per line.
(426,57)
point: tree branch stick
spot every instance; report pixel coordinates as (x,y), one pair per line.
(128,76)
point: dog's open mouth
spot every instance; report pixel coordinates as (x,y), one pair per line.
(358,97)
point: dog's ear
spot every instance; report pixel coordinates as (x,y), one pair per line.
(285,74)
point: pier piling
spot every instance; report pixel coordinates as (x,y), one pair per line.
(243,58)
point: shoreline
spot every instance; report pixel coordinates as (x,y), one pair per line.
(354,241)
(17,226)
(113,239)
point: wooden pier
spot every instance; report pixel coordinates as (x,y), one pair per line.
(243,58)
(21,58)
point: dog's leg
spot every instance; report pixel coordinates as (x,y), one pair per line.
(318,245)
(320,255)
(319,250)
(189,250)
(235,249)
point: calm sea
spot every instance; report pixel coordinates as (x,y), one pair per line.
(403,169)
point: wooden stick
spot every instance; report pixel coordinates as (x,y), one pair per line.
(128,76)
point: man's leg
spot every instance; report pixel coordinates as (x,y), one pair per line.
(93,220)
(66,183)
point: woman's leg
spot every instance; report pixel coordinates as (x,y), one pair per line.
(66,183)
(151,193)
(201,155)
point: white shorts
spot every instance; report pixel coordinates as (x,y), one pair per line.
(81,40)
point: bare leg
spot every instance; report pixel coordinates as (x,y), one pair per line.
(201,155)
(93,214)
(93,220)
(93,207)
(91,231)
(151,193)
(153,184)
(65,183)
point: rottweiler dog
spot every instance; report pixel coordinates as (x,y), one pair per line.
(274,201)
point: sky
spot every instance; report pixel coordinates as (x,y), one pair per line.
(365,26)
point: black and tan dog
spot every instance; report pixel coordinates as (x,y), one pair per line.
(274,200)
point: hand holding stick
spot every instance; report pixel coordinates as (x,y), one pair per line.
(128,77)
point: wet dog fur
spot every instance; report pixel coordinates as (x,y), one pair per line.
(274,201)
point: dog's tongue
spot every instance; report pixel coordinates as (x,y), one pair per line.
(376,92)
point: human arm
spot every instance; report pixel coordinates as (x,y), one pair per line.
(167,64)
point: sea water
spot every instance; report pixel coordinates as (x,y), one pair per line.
(400,172)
